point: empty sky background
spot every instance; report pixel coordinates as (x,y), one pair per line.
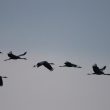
(56,31)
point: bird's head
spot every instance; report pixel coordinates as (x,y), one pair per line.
(10,53)
(95,65)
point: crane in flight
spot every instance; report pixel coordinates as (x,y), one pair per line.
(15,57)
(1,80)
(98,71)
(45,64)
(69,64)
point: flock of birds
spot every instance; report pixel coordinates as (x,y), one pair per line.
(96,69)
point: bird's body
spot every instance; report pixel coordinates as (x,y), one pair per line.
(46,64)
(98,71)
(1,80)
(15,57)
(69,64)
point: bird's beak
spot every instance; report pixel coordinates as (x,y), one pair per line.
(34,66)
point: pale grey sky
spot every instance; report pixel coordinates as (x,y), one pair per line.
(55,30)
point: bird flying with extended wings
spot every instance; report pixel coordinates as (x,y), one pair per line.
(15,57)
(46,64)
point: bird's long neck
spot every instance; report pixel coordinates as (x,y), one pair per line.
(4,77)
(62,66)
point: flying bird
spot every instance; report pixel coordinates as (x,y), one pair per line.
(1,80)
(15,57)
(45,64)
(69,64)
(98,71)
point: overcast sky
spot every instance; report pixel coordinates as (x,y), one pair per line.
(56,31)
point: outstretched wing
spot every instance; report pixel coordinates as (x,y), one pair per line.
(23,54)
(1,81)
(71,64)
(102,69)
(48,66)
(11,55)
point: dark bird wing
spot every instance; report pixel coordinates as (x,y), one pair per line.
(11,55)
(1,81)
(71,64)
(48,66)
(68,63)
(23,54)
(97,70)
(102,69)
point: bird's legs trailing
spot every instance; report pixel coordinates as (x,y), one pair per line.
(62,66)
(23,58)
(7,59)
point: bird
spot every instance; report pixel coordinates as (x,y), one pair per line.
(45,64)
(69,64)
(15,57)
(98,71)
(1,80)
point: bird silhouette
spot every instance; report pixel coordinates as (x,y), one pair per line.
(1,80)
(15,57)
(45,64)
(98,71)
(69,64)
